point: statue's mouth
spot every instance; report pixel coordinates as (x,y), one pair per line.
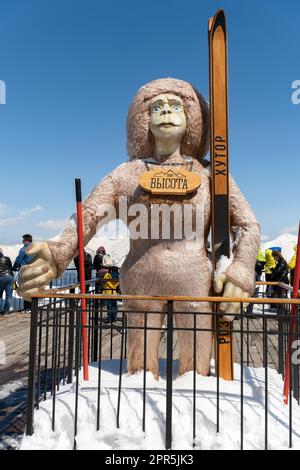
(163,124)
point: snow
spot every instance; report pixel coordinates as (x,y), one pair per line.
(11,251)
(9,388)
(114,238)
(286,242)
(117,248)
(116,241)
(11,441)
(223,263)
(130,436)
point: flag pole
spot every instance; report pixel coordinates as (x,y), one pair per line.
(82,279)
(294,309)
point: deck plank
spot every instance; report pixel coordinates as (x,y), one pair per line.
(15,328)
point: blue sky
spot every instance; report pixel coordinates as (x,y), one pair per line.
(71,68)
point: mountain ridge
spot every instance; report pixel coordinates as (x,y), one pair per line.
(118,247)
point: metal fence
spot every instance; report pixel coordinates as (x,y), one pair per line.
(56,349)
(69,277)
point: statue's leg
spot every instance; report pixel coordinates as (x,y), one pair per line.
(135,337)
(186,338)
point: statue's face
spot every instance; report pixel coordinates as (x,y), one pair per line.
(167,117)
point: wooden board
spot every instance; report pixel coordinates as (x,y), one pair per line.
(170,181)
(220,175)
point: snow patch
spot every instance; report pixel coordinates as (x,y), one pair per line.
(286,242)
(223,263)
(130,436)
(9,388)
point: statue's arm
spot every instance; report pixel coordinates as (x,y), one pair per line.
(246,240)
(52,258)
(98,209)
(238,280)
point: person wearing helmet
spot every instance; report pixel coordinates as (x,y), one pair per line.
(292,265)
(98,265)
(259,267)
(270,264)
(111,288)
(279,274)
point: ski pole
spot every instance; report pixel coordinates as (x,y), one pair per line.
(82,279)
(294,308)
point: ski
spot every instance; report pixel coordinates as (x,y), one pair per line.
(220,224)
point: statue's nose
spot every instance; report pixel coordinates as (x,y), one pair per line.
(166,109)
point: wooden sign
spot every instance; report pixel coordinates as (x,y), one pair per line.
(170,181)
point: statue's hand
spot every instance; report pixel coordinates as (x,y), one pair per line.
(40,271)
(229,290)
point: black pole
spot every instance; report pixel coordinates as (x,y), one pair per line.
(96,323)
(280,324)
(32,364)
(265,356)
(120,373)
(145,371)
(78,190)
(169,374)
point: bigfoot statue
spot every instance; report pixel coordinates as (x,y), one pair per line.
(167,126)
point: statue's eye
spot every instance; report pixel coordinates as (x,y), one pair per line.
(177,107)
(155,109)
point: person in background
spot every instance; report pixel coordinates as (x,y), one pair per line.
(6,283)
(292,265)
(279,274)
(98,266)
(110,288)
(23,259)
(259,267)
(88,267)
(270,264)
(275,248)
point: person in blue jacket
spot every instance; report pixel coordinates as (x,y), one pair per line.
(23,259)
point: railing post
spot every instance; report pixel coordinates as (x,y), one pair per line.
(32,365)
(71,338)
(296,366)
(96,323)
(280,323)
(169,374)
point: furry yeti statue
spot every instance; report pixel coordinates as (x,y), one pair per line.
(167,124)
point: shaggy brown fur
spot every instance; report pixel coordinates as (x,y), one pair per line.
(168,267)
(139,138)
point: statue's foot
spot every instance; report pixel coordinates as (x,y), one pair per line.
(132,371)
(201,369)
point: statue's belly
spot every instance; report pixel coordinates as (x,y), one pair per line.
(161,271)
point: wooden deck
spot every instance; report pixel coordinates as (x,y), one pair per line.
(14,334)
(15,328)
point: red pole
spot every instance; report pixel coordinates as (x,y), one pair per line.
(294,308)
(82,279)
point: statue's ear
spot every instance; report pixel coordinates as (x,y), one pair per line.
(152,142)
(205,120)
